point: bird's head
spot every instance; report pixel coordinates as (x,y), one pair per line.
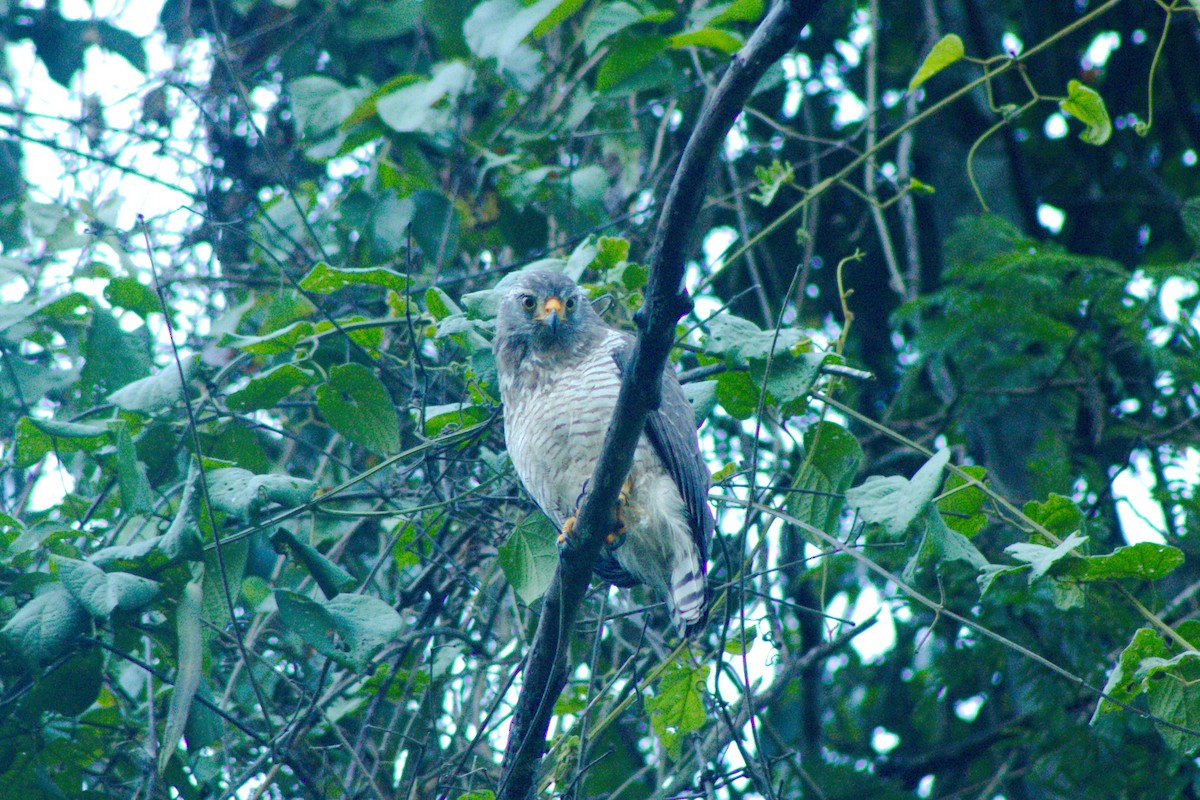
(546,309)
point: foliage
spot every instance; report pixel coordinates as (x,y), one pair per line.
(259,530)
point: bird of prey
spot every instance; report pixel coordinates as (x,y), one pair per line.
(560,370)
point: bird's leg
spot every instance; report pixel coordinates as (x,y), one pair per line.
(564,537)
(616,538)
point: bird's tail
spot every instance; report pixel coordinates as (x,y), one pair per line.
(687,597)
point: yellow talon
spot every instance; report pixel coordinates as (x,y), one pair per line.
(568,526)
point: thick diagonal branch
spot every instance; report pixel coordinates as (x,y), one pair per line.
(666,301)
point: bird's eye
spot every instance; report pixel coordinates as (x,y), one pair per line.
(570,304)
(528,303)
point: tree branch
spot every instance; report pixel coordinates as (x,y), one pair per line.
(666,301)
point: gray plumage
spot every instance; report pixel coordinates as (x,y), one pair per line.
(560,370)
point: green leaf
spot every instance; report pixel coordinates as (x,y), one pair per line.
(702,395)
(222,570)
(894,502)
(426,106)
(242,494)
(711,38)
(530,556)
(331,578)
(677,706)
(45,627)
(1145,561)
(770,180)
(136,494)
(1176,699)
(737,393)
(1058,515)
(740,340)
(832,458)
(350,629)
(628,57)
(453,417)
(132,295)
(440,305)
(34,438)
(101,593)
(324,279)
(268,388)
(283,340)
(962,503)
(1086,105)
(939,544)
(791,378)
(607,20)
(189,663)
(948,50)
(497,28)
(739,11)
(1041,558)
(356,405)
(1122,684)
(320,104)
(156,392)
(70,688)
(114,356)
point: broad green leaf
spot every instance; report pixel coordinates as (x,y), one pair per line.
(557,15)
(738,11)
(628,57)
(440,304)
(70,688)
(962,504)
(1086,105)
(702,395)
(608,20)
(497,28)
(268,388)
(101,593)
(356,405)
(320,104)
(156,392)
(324,279)
(832,457)
(331,578)
(1176,699)
(132,295)
(34,438)
(948,50)
(242,494)
(737,393)
(1041,558)
(1057,514)
(940,544)
(224,570)
(349,629)
(45,627)
(791,378)
(283,340)
(189,658)
(711,38)
(677,706)
(454,416)
(740,340)
(136,494)
(426,106)
(894,502)
(113,356)
(1145,560)
(530,556)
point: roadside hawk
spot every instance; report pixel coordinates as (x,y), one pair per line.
(560,370)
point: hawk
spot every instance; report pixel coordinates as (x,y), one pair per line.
(560,370)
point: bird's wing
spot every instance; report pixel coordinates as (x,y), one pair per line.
(672,431)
